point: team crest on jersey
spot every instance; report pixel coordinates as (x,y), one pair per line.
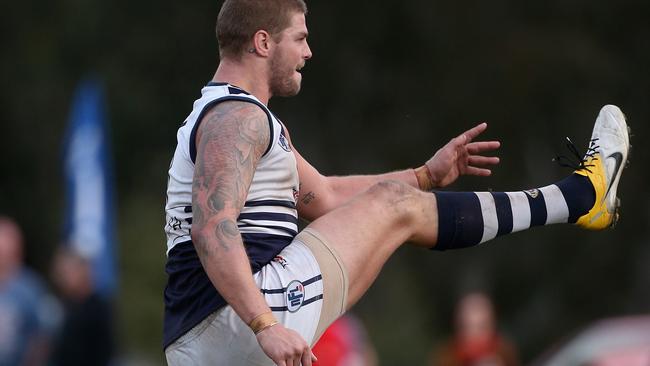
(284,144)
(295,296)
(533,193)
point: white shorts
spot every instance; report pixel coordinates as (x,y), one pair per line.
(294,287)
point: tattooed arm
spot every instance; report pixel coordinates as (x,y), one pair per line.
(320,194)
(230,140)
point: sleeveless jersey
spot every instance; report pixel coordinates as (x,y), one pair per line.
(268,221)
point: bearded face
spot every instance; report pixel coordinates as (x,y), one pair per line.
(290,53)
(285,77)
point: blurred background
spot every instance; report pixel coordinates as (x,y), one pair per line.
(389,83)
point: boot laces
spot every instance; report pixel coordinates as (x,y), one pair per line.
(576,161)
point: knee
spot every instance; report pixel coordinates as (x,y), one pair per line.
(396,196)
(391,190)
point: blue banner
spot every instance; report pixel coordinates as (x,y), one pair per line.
(88,174)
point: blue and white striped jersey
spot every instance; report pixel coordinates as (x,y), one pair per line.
(268,221)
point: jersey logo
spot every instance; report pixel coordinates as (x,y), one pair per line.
(295,296)
(284,144)
(281,261)
(618,157)
(596,217)
(174,223)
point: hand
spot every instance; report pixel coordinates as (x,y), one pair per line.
(461,157)
(285,346)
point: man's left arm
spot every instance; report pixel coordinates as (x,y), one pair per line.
(320,194)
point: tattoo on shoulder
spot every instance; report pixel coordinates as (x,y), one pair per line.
(230,141)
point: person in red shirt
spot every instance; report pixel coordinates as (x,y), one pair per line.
(477,341)
(345,343)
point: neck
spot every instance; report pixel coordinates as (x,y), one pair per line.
(246,74)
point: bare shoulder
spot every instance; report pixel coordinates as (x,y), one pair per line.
(235,120)
(229,142)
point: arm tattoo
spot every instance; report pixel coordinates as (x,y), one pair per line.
(308,198)
(226,232)
(230,141)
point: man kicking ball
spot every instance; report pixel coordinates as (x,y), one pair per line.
(244,286)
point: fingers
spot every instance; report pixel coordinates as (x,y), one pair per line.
(482,172)
(303,357)
(474,161)
(482,146)
(475,147)
(473,132)
(308,357)
(285,347)
(482,160)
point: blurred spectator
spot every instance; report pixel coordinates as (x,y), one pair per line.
(476,341)
(86,336)
(28,313)
(620,341)
(345,343)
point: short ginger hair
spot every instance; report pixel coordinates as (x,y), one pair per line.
(239,20)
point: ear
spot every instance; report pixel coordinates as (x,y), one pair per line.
(262,43)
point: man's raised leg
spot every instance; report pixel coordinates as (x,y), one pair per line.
(367,230)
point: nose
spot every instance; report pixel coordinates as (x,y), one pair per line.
(308,53)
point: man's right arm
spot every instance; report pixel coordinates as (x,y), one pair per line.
(230,141)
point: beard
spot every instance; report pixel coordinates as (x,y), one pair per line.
(283,83)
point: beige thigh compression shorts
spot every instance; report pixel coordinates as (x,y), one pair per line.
(306,287)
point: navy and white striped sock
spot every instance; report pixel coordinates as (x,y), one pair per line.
(470,218)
